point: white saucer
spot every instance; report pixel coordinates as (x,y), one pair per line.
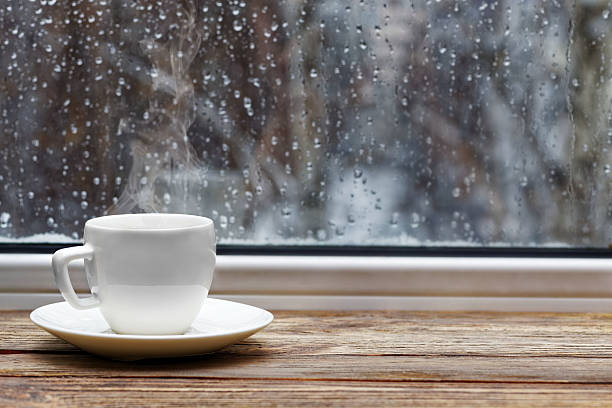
(219,324)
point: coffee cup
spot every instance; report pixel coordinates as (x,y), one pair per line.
(148,273)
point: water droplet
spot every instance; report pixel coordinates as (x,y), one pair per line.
(314,73)
(84,205)
(167,199)
(357,173)
(4,219)
(96,180)
(50,222)
(605,14)
(223,221)
(321,234)
(524,181)
(415,220)
(456,192)
(237,25)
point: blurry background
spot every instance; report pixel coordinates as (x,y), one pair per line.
(405,122)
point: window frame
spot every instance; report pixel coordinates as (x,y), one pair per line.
(350,276)
(411,278)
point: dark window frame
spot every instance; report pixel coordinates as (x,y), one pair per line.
(338,250)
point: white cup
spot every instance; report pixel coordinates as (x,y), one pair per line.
(148,273)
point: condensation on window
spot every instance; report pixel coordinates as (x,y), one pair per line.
(311,122)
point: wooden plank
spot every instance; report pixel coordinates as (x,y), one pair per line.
(375,368)
(74,391)
(334,358)
(398,346)
(391,333)
(35,392)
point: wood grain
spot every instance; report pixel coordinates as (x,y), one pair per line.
(189,393)
(339,358)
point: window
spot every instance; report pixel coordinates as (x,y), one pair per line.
(400,123)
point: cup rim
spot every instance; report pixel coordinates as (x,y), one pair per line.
(188,222)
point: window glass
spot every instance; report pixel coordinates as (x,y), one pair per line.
(405,122)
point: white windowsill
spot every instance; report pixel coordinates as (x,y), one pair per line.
(329,282)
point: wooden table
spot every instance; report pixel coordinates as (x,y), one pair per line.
(330,358)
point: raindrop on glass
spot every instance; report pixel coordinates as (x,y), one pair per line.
(4,219)
(223,221)
(415,220)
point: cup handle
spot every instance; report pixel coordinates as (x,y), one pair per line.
(59,262)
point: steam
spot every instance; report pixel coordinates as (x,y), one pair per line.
(164,164)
